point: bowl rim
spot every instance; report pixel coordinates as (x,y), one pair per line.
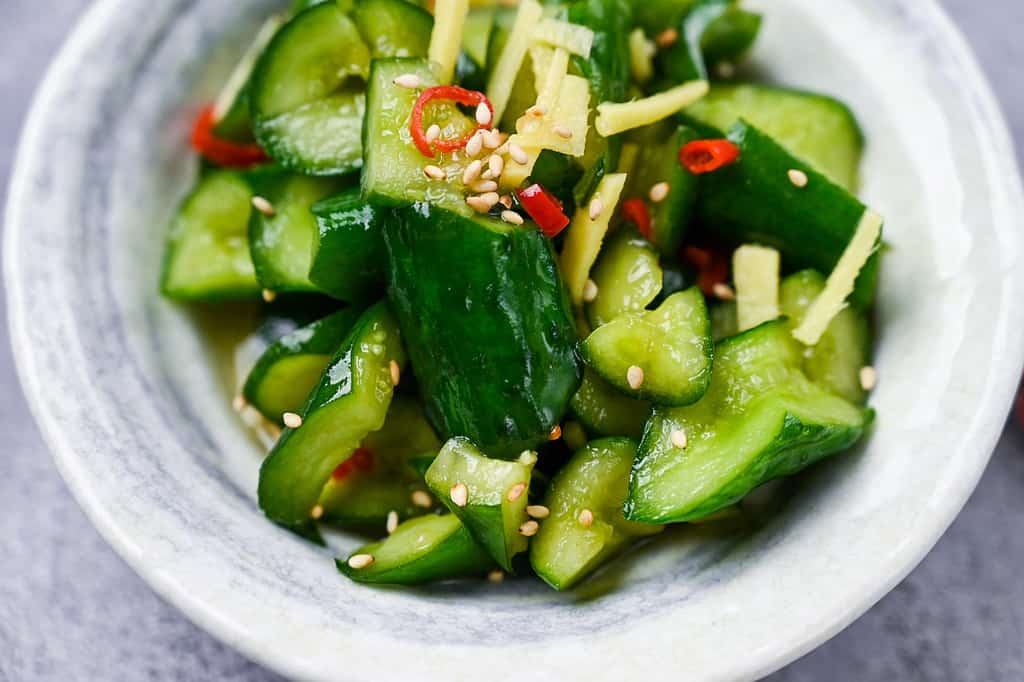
(1001,388)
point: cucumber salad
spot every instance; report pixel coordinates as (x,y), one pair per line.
(535,280)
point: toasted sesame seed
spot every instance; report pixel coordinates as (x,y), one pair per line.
(590,291)
(667,37)
(868,378)
(586,518)
(407,80)
(263,206)
(510,216)
(723,291)
(562,131)
(392,522)
(492,139)
(483,114)
(496,576)
(484,186)
(421,498)
(317,511)
(679,439)
(269,295)
(475,144)
(459,494)
(396,372)
(659,192)
(518,154)
(555,433)
(434,172)
(635,376)
(479,203)
(358,561)
(487,174)
(239,403)
(536,112)
(596,208)
(538,511)
(433,132)
(496,165)
(515,492)
(797,177)
(472,172)
(505,200)
(529,529)
(291,420)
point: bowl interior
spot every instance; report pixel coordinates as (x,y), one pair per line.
(134,392)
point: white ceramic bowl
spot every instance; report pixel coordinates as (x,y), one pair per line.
(123,386)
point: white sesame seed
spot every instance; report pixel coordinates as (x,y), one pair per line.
(483,114)
(487,174)
(496,576)
(482,203)
(635,376)
(511,217)
(516,491)
(407,80)
(562,131)
(434,172)
(316,512)
(472,172)
(291,420)
(422,499)
(263,206)
(396,372)
(679,439)
(596,208)
(505,200)
(392,522)
(492,139)
(459,494)
(518,154)
(475,144)
(536,111)
(496,165)
(586,518)
(798,177)
(239,403)
(723,291)
(269,295)
(433,132)
(868,378)
(538,511)
(529,528)
(484,186)
(659,192)
(667,37)
(590,291)
(358,561)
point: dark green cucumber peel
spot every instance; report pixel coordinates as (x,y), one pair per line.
(487,323)
(290,368)
(350,402)
(348,247)
(761,419)
(712,31)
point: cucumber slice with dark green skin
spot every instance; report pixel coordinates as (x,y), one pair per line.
(365,497)
(761,419)
(731,36)
(496,495)
(207,257)
(394,28)
(291,367)
(487,323)
(596,480)
(845,347)
(818,129)
(711,31)
(348,248)
(281,244)
(754,201)
(350,402)
(671,346)
(605,411)
(654,16)
(658,162)
(628,277)
(421,550)
(306,110)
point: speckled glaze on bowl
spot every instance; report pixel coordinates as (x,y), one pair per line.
(123,384)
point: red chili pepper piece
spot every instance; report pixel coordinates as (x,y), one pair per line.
(445,93)
(544,208)
(1020,408)
(705,156)
(223,152)
(635,211)
(361,460)
(712,266)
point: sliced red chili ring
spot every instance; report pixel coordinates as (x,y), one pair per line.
(361,460)
(635,211)
(445,93)
(544,208)
(711,264)
(706,156)
(223,152)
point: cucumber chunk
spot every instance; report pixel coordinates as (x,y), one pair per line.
(350,402)
(307,99)
(207,257)
(605,411)
(761,419)
(712,31)
(487,325)
(421,550)
(572,543)
(393,28)
(281,244)
(628,278)
(348,248)
(288,371)
(662,355)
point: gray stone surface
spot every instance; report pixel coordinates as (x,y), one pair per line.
(70,609)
